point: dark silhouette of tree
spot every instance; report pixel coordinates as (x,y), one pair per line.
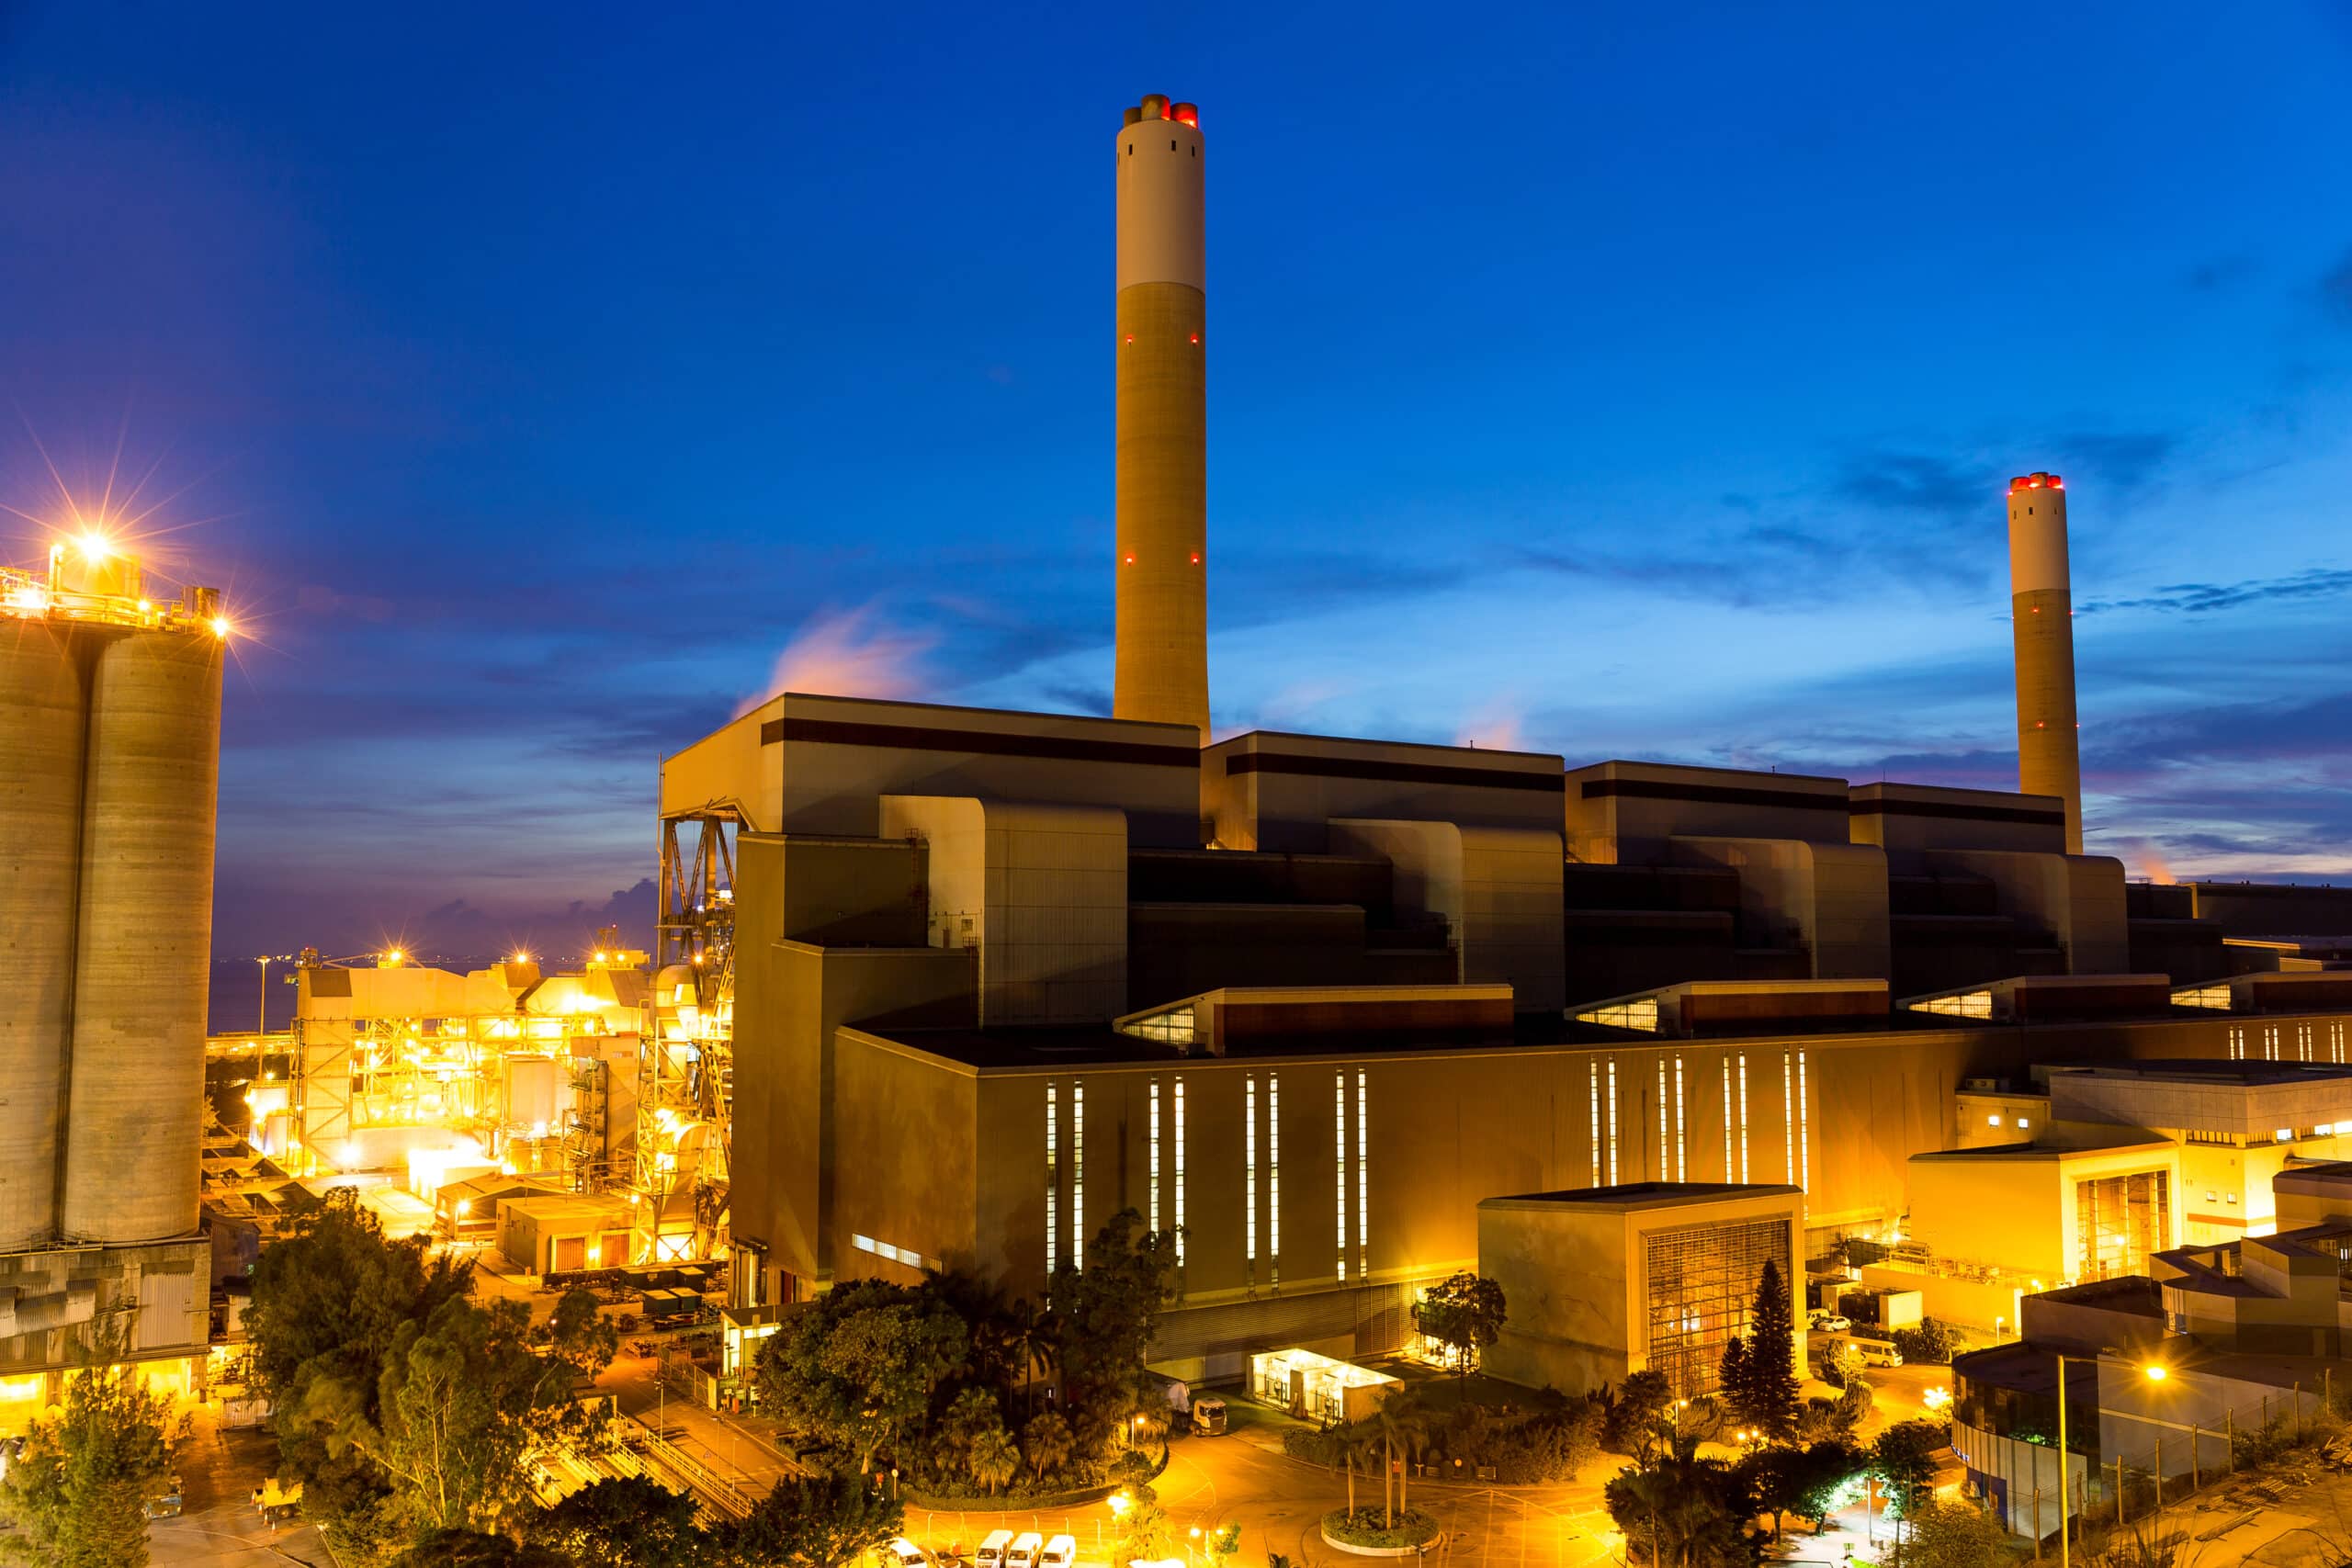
(1758,1373)
(623,1522)
(824,1522)
(80,1487)
(1465,1314)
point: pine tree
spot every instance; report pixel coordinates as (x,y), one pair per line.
(1770,1378)
(1733,1380)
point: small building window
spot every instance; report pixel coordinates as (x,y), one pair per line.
(2023,1123)
(1993,1120)
(2231,1198)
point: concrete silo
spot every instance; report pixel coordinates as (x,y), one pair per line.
(134,1098)
(43,704)
(1163,673)
(2041,607)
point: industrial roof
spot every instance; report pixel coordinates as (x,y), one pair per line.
(2127,1138)
(1632,1195)
(2248,1071)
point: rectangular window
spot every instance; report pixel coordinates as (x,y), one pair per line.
(1743,1117)
(1665,1159)
(1363,1182)
(1179,1170)
(1155,1155)
(1612,1121)
(1731,1166)
(1804,1128)
(1592,1084)
(1274,1179)
(1250,1175)
(1053,1180)
(1788,1117)
(1702,1281)
(1682,1145)
(1078,1173)
(1340,1162)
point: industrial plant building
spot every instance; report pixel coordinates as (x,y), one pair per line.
(939,986)
(1321,1005)
(110,706)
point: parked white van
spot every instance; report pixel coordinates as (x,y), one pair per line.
(1061,1552)
(1022,1552)
(992,1550)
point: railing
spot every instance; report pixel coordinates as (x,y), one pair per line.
(707,1482)
(2026,1481)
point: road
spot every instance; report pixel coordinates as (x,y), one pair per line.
(1242,1478)
(1279,1501)
(219,1526)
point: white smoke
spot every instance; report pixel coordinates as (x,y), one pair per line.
(850,653)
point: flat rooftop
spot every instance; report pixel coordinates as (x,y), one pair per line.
(1629,1197)
(2193,1070)
(2124,1140)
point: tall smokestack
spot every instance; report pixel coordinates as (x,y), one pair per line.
(2042,605)
(1162,419)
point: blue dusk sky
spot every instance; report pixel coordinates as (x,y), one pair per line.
(1634,381)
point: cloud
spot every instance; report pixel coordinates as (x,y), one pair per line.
(1068,696)
(1915,484)
(2204,598)
(849,654)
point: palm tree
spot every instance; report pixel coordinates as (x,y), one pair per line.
(1046,1439)
(1403,1424)
(1358,1439)
(994,1458)
(1029,1340)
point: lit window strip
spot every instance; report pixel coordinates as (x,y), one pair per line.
(1787,1116)
(1179,1170)
(1729,1165)
(1078,1172)
(1249,1174)
(1804,1128)
(1592,1084)
(1612,1121)
(1155,1156)
(1743,1116)
(1340,1161)
(1681,1129)
(1665,1169)
(1053,1180)
(1274,1179)
(1364,1180)
(906,1255)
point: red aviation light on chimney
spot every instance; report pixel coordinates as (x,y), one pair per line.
(2036,481)
(1186,114)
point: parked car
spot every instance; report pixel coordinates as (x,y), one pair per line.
(168,1506)
(1824,1320)
(902,1553)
